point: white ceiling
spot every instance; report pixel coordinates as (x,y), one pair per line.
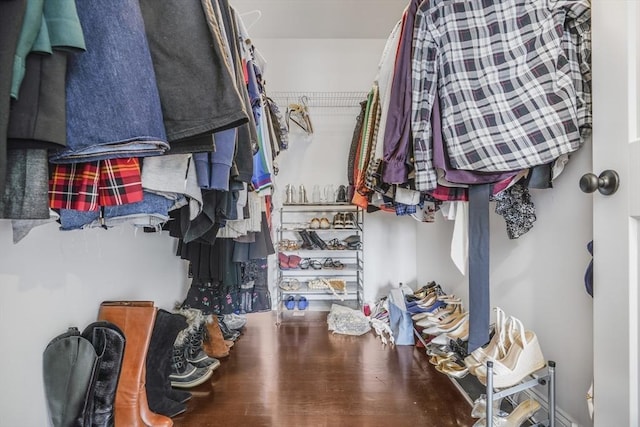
(368,19)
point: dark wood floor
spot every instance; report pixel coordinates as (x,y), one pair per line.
(299,374)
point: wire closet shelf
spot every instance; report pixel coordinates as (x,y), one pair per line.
(320,99)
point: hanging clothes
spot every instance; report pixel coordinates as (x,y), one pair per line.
(194,77)
(529,121)
(11,19)
(112,111)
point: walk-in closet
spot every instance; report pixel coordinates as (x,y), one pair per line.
(311,213)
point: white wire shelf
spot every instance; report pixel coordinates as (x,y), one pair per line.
(320,99)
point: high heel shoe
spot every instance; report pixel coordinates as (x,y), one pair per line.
(497,347)
(450,323)
(524,357)
(479,409)
(523,411)
(459,333)
(452,369)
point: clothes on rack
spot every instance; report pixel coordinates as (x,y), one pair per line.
(486,100)
(469,106)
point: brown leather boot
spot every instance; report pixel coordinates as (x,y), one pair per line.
(214,344)
(136,320)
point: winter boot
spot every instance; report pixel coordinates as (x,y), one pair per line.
(192,337)
(136,320)
(214,344)
(69,364)
(227,333)
(183,373)
(108,341)
(165,331)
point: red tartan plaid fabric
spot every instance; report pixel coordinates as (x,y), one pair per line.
(89,185)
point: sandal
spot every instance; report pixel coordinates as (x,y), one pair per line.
(336,245)
(331,263)
(315,264)
(289,284)
(305,263)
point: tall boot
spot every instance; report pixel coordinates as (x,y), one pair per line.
(136,320)
(165,331)
(214,344)
(108,341)
(307,243)
(68,366)
(317,240)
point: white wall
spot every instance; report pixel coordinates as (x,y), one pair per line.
(52,280)
(329,65)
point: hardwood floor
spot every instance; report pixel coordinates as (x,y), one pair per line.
(299,374)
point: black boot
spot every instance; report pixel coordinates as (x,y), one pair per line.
(307,243)
(108,341)
(69,364)
(165,330)
(317,240)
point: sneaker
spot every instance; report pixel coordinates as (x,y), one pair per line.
(235,321)
(338,220)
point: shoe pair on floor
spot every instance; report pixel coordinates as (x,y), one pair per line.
(291,301)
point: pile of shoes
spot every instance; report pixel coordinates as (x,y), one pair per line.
(132,365)
(440,319)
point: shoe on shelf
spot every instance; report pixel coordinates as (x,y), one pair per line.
(349,220)
(307,243)
(459,333)
(524,357)
(324,223)
(338,220)
(317,240)
(520,414)
(302,303)
(479,409)
(294,261)
(497,347)
(290,302)
(314,223)
(341,197)
(283,261)
(452,369)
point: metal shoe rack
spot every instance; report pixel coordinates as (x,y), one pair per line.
(295,218)
(547,379)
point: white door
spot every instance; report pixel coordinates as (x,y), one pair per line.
(616,146)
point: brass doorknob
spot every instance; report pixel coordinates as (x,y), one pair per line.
(607,183)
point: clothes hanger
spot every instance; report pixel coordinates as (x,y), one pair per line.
(257,13)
